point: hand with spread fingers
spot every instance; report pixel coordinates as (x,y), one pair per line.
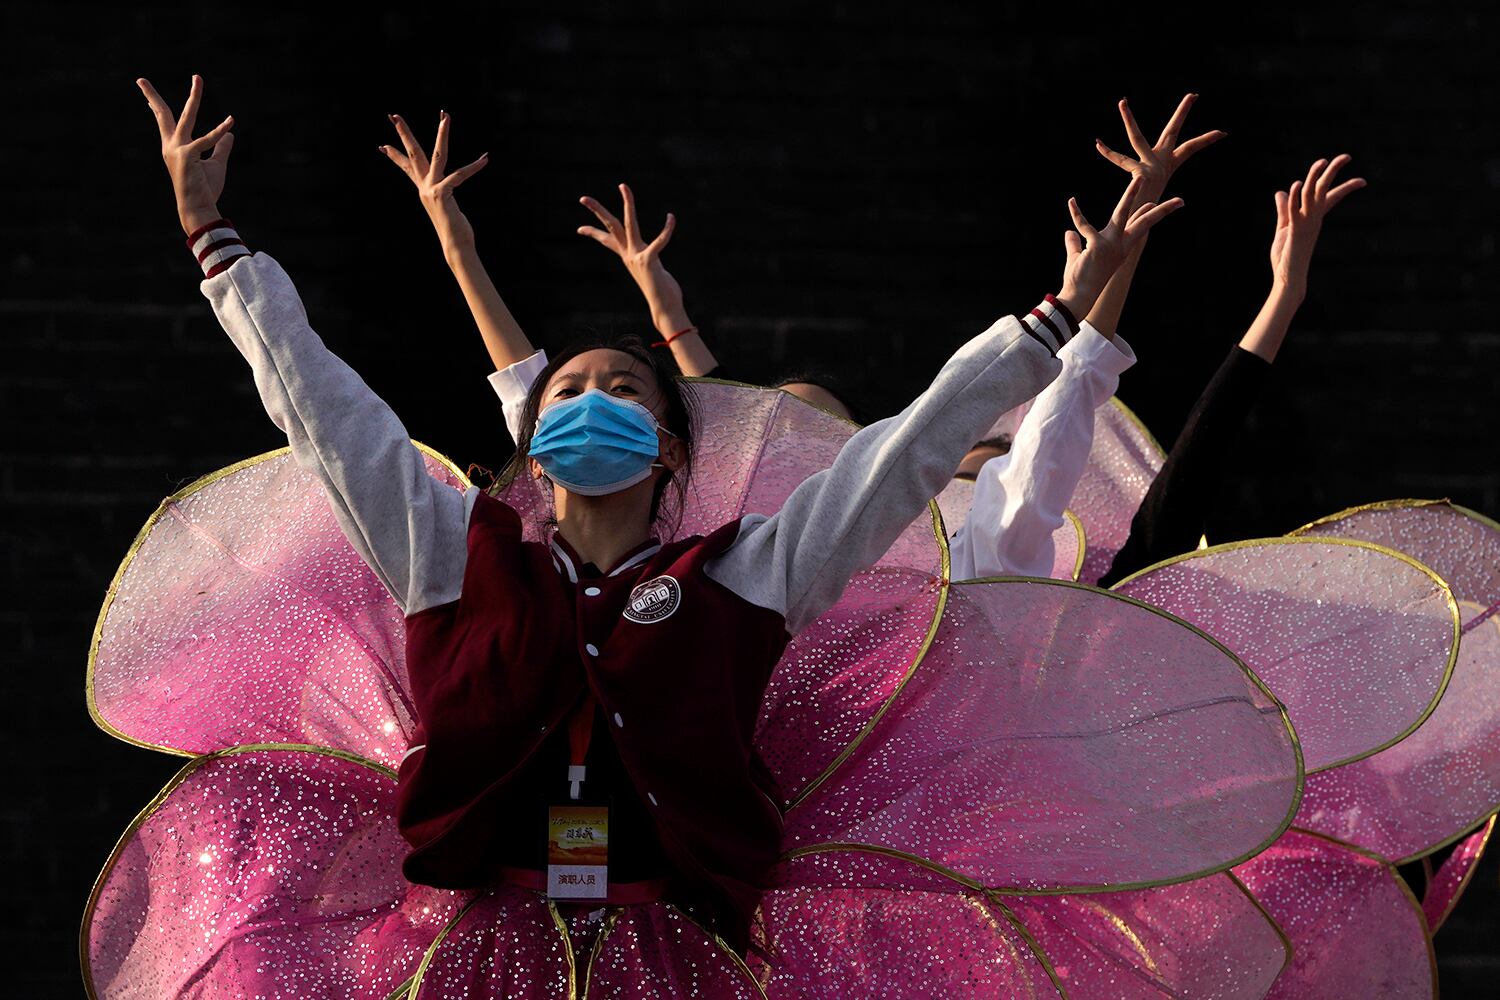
(641,259)
(1299,219)
(503,337)
(1300,211)
(1095,254)
(434,186)
(1155,164)
(663,293)
(197,181)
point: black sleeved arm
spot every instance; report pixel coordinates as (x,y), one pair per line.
(1171,518)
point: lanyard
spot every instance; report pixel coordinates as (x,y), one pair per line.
(580,734)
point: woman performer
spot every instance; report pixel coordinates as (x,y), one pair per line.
(538,669)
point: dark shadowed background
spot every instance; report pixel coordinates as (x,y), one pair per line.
(858,185)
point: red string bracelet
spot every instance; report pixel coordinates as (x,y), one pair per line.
(668,340)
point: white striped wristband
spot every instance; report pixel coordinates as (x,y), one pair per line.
(1051,323)
(216,246)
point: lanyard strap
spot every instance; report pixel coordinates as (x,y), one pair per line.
(580,734)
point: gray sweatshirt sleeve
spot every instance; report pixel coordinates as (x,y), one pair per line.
(841,520)
(408,527)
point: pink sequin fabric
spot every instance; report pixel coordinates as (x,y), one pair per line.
(1330,881)
(1448,883)
(1442,781)
(1020,788)
(1356,929)
(1123,461)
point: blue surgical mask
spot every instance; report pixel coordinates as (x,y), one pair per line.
(594,443)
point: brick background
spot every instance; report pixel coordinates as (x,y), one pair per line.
(861,186)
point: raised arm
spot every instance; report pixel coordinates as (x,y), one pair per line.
(841,520)
(1154,165)
(503,337)
(408,527)
(1300,211)
(663,293)
(1019,497)
(1173,514)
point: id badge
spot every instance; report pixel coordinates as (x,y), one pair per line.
(577,852)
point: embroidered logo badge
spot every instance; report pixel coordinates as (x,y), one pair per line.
(653,600)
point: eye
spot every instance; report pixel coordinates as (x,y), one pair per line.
(564,391)
(626,389)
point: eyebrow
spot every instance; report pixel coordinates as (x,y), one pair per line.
(574,376)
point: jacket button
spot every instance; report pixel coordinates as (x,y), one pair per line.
(619,720)
(591,591)
(591,649)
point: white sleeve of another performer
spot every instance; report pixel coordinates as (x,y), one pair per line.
(1019,497)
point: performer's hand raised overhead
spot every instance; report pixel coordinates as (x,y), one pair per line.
(1156,163)
(1095,254)
(1299,219)
(197,181)
(434,186)
(504,339)
(663,293)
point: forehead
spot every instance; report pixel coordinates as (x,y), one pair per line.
(600,363)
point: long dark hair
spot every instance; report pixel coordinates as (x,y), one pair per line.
(678,417)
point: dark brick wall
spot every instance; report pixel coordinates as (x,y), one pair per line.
(858,185)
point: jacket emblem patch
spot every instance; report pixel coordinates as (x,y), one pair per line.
(654,600)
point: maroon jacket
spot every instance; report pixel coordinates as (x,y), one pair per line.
(678,675)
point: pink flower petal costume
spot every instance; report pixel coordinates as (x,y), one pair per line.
(1378,793)
(991,788)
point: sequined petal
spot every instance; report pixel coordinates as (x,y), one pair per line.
(1205,938)
(1122,462)
(1356,930)
(1447,884)
(1357,640)
(1439,782)
(507,943)
(241,615)
(831,944)
(268,872)
(1055,737)
(656,951)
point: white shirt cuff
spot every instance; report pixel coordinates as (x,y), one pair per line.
(1095,351)
(513,384)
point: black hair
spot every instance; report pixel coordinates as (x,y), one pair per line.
(677,418)
(832,384)
(1000,442)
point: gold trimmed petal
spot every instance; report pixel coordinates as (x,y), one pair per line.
(156,803)
(1463,884)
(141,537)
(1438,581)
(1401,884)
(1031,942)
(932,631)
(1140,425)
(1288,948)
